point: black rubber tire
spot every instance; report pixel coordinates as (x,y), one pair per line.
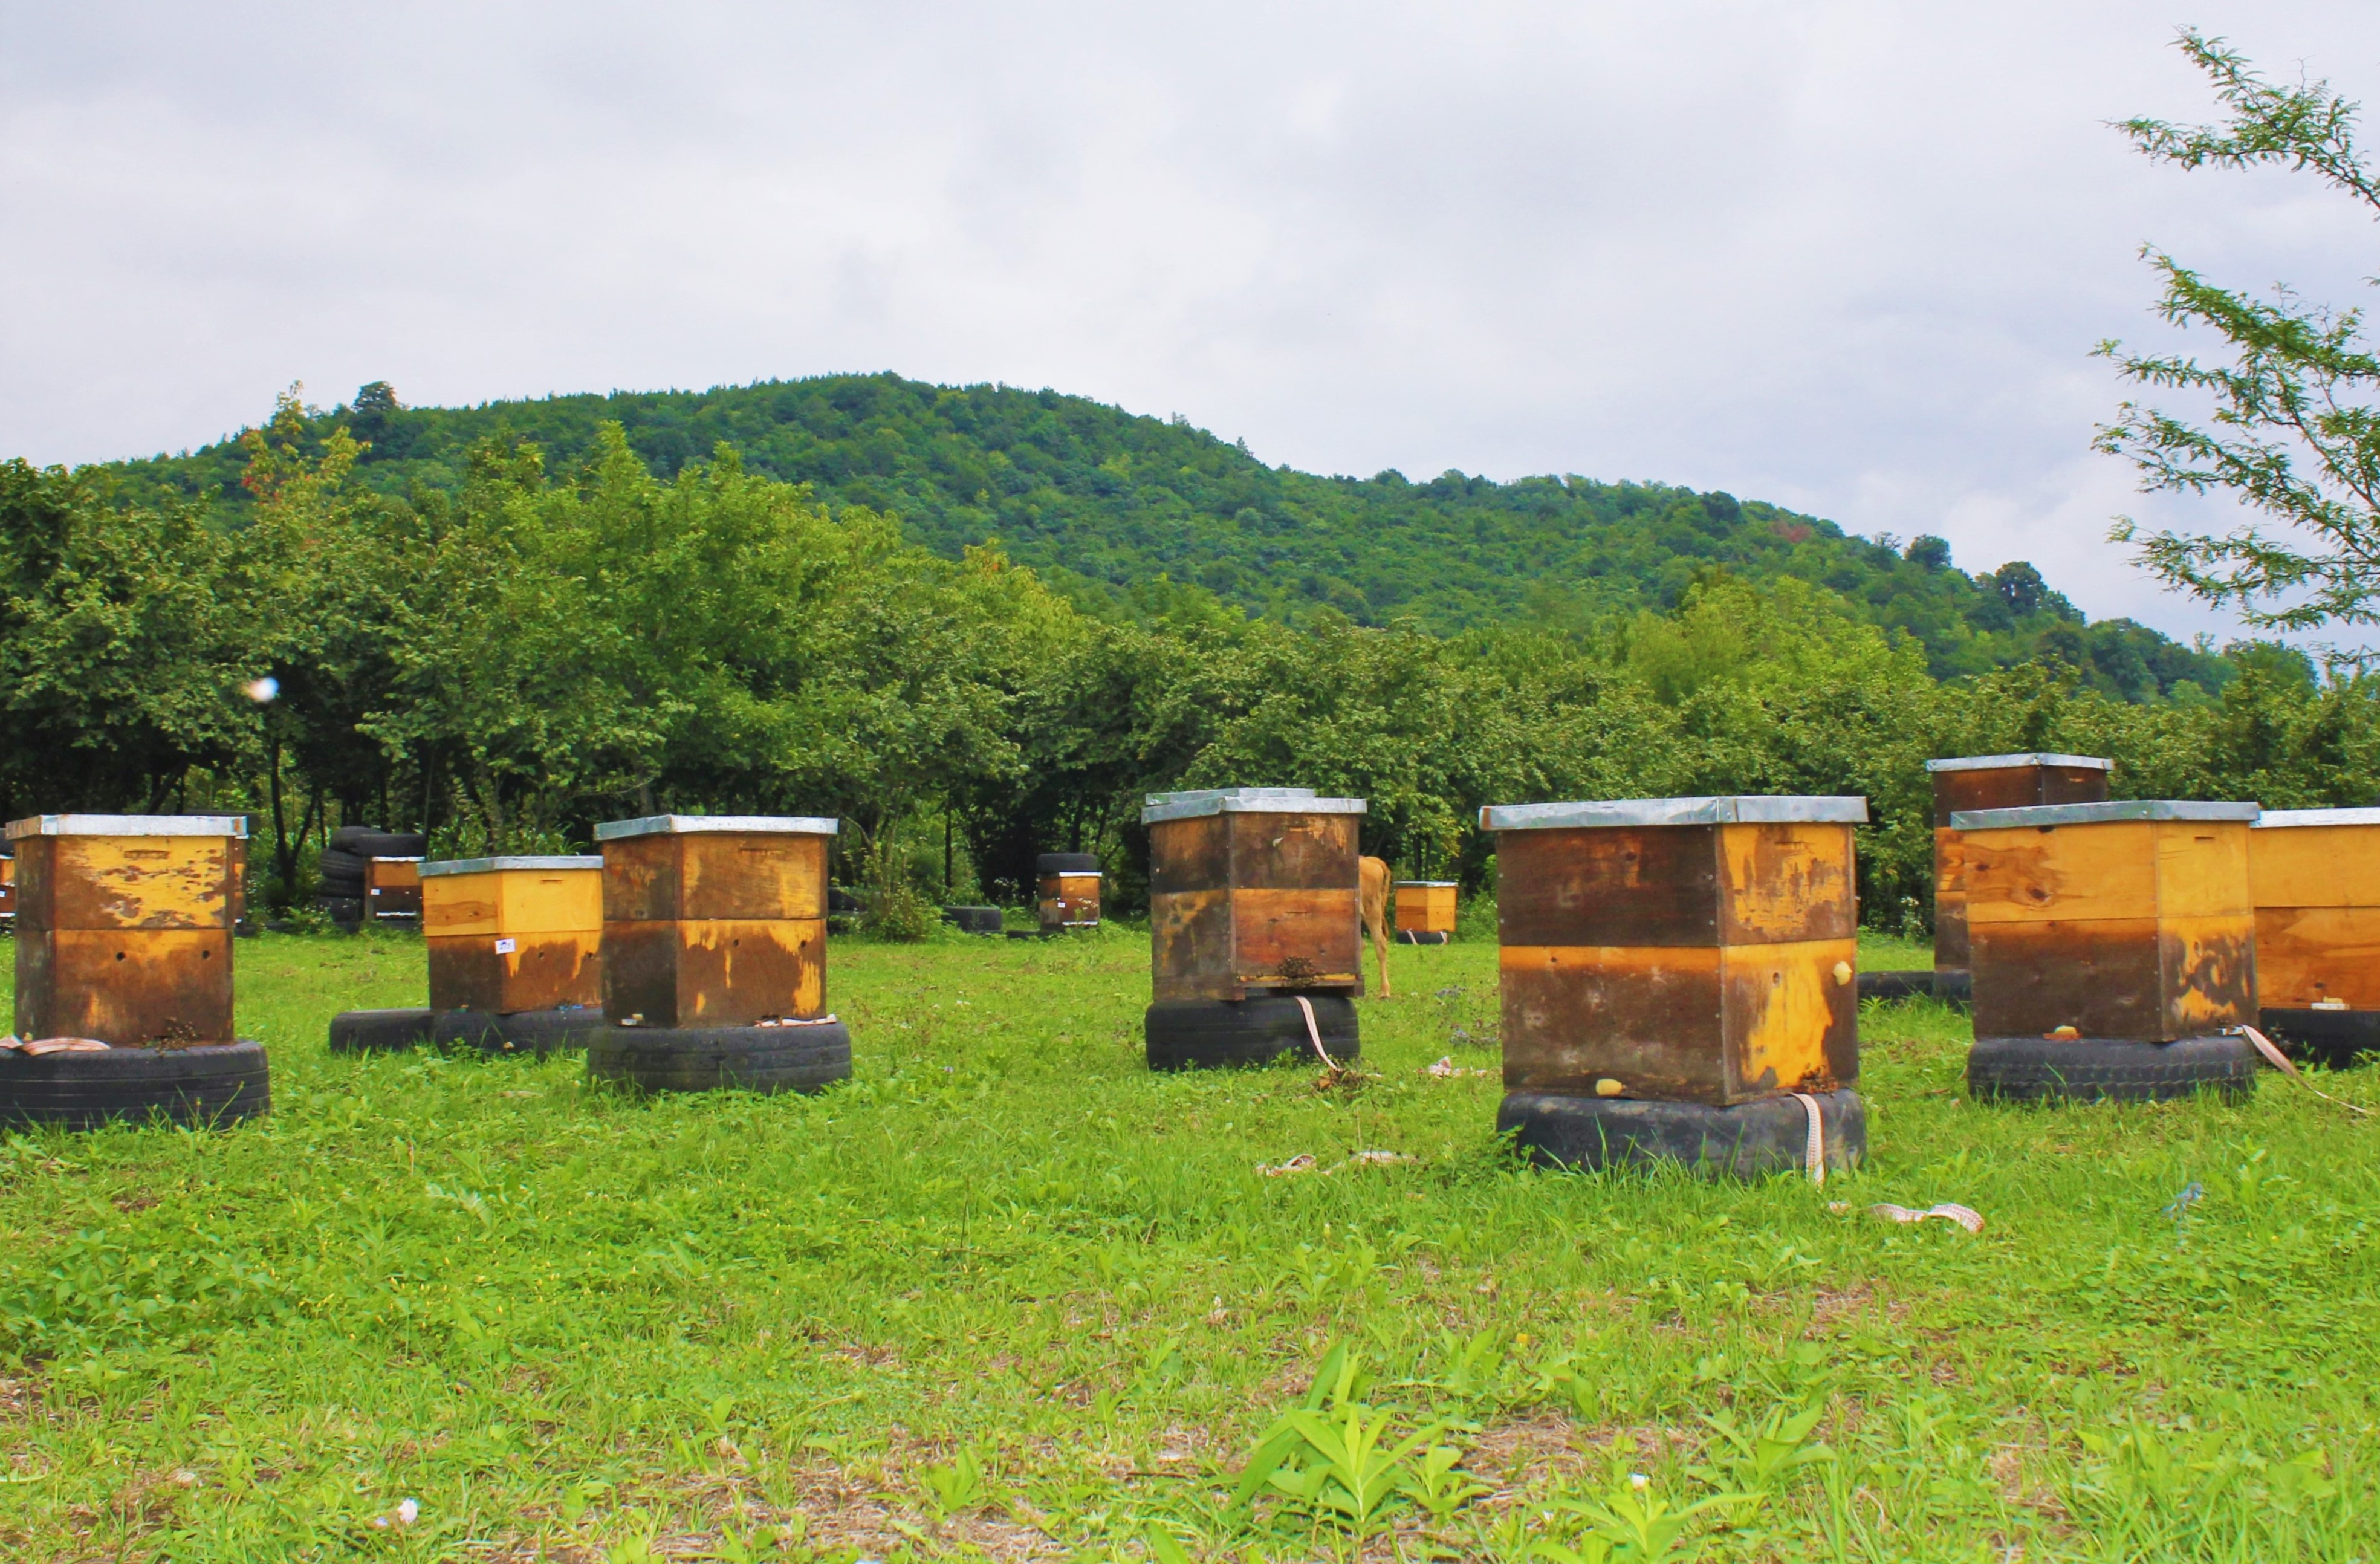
(973,920)
(2105,1070)
(538,1032)
(2337,1039)
(346,911)
(1035,933)
(1416,936)
(706,1058)
(379,1031)
(218,1085)
(1066,863)
(1217,1033)
(336,867)
(1751,1140)
(363,842)
(1911,984)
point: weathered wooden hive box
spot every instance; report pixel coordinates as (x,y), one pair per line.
(123,926)
(8,887)
(1069,899)
(1695,950)
(392,888)
(513,934)
(1426,906)
(2129,921)
(1994,782)
(1253,890)
(2314,875)
(714,920)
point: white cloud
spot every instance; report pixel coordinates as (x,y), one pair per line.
(1850,257)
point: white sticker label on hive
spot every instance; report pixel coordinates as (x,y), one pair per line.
(504,947)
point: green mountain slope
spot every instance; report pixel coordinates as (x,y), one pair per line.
(1102,501)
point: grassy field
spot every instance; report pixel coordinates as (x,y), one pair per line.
(1007,1294)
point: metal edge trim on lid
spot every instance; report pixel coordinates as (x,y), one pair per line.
(2112,812)
(488,865)
(1156,799)
(1426,884)
(1743,809)
(681,825)
(128,825)
(1247,801)
(2008,762)
(2286,819)
(1069,873)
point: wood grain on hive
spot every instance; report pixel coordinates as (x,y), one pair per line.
(1253,890)
(123,926)
(392,887)
(1426,906)
(714,920)
(512,934)
(1994,782)
(1070,900)
(2131,921)
(2314,875)
(1695,949)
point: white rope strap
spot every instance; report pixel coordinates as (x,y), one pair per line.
(1314,1032)
(1813,1150)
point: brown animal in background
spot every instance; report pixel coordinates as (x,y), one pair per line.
(1376,915)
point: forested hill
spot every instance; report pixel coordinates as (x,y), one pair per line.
(1100,501)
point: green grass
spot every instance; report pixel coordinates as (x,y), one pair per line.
(1008,1293)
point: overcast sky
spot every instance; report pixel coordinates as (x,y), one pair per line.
(1851,258)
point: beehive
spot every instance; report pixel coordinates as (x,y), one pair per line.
(1253,890)
(1994,782)
(2314,877)
(123,926)
(1070,899)
(8,888)
(716,920)
(392,888)
(513,934)
(1697,950)
(1426,907)
(2129,921)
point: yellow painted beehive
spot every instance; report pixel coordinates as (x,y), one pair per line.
(511,934)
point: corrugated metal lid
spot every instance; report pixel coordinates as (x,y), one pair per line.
(2098,814)
(2008,762)
(1428,884)
(128,825)
(1244,801)
(1739,809)
(681,825)
(2284,818)
(486,865)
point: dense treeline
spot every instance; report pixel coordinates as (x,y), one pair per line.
(1095,501)
(507,660)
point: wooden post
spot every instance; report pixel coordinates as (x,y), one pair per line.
(714,920)
(123,926)
(1253,890)
(1994,782)
(2128,921)
(2314,875)
(1692,949)
(1426,911)
(513,934)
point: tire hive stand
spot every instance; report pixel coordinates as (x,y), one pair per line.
(1678,983)
(343,870)
(1253,905)
(124,937)
(714,956)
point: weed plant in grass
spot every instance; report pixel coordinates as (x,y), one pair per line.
(1007,1293)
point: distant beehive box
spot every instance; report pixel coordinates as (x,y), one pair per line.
(714,920)
(392,888)
(1069,886)
(123,926)
(1994,782)
(1692,949)
(2130,921)
(1426,906)
(513,934)
(8,888)
(1253,890)
(2316,878)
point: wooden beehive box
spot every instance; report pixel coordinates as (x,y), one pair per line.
(1994,782)
(1070,900)
(1695,950)
(8,888)
(513,934)
(2315,876)
(1426,906)
(392,888)
(1253,890)
(714,920)
(123,926)
(2130,921)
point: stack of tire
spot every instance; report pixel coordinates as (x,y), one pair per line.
(340,894)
